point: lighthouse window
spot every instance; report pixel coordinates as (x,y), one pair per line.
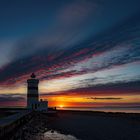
(35,106)
(35,88)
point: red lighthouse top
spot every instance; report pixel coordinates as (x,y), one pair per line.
(33,75)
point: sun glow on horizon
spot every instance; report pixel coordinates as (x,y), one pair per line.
(61,106)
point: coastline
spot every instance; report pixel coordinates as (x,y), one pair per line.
(105,109)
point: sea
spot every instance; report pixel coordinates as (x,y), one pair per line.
(104,109)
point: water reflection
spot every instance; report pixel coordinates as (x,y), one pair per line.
(54,135)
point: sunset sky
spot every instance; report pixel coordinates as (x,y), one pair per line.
(86,53)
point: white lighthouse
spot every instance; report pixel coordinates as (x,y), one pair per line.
(32,92)
(33,102)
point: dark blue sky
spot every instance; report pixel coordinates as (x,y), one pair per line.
(70,45)
(22,18)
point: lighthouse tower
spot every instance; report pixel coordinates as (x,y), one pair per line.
(32,93)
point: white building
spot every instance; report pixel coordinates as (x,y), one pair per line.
(33,102)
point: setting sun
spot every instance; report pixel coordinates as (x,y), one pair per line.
(61,106)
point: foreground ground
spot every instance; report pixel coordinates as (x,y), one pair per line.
(82,126)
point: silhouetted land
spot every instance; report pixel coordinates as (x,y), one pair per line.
(5,113)
(85,125)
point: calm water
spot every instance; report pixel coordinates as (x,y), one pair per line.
(105,109)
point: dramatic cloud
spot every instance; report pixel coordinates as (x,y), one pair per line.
(129,88)
(11,98)
(105,98)
(75,47)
